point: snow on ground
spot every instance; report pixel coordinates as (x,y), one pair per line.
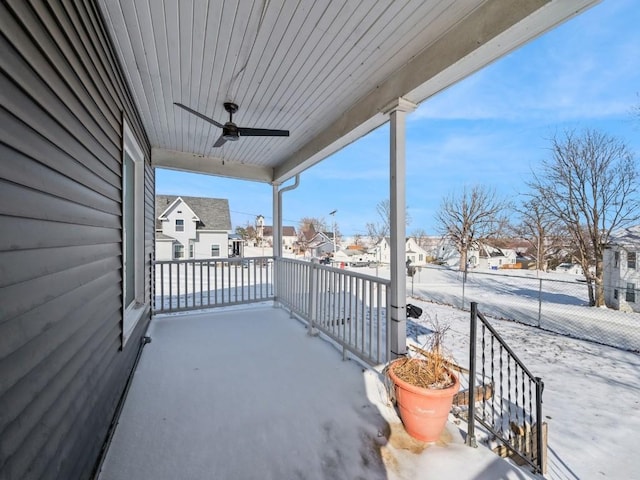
(591,398)
(247,394)
(592,391)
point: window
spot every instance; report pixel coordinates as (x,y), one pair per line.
(631,293)
(631,260)
(616,259)
(191,247)
(615,293)
(179,225)
(178,251)
(133,305)
(215,250)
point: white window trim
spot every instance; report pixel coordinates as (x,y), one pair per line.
(131,314)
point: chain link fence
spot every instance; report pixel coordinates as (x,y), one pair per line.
(539,299)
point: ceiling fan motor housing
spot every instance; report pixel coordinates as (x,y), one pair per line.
(230,132)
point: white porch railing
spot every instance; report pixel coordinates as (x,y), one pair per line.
(349,307)
(182,285)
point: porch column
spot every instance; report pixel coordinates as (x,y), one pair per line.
(277,222)
(397,111)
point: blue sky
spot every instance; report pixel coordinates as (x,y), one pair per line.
(492,128)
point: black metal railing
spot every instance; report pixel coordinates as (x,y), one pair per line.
(508,401)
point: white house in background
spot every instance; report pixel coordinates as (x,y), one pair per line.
(622,270)
(352,257)
(571,268)
(262,235)
(414,252)
(486,256)
(193,228)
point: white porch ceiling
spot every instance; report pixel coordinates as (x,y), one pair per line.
(323,69)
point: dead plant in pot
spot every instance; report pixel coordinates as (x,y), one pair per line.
(424,388)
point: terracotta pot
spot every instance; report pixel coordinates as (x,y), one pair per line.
(424,411)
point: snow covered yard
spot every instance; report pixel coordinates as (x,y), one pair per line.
(245,393)
(591,395)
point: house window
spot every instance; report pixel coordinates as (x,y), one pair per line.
(191,250)
(420,257)
(615,293)
(631,293)
(179,225)
(178,251)
(215,250)
(133,305)
(616,259)
(631,260)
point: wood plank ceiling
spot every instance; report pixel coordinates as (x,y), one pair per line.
(323,69)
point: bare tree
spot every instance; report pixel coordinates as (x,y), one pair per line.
(377,231)
(470,217)
(590,184)
(541,230)
(421,236)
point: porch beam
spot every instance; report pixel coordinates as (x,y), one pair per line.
(397,111)
(190,162)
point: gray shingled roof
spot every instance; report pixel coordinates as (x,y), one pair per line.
(213,212)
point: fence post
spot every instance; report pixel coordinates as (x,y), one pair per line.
(313,298)
(471,421)
(540,303)
(539,433)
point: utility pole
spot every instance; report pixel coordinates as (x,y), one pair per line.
(333,226)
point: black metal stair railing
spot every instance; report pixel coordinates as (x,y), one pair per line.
(508,403)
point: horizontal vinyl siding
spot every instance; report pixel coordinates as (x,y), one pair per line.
(62,368)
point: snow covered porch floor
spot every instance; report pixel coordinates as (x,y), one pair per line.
(246,394)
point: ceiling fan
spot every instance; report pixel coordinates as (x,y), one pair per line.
(230,131)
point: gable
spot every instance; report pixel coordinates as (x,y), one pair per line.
(213,213)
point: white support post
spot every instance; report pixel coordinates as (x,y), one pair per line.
(398,301)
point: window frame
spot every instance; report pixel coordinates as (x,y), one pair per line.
(178,246)
(632,260)
(630,295)
(181,220)
(133,312)
(215,245)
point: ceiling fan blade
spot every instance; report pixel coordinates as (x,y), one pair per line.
(262,132)
(219,142)
(198,114)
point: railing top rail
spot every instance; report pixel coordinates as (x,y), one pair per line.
(214,259)
(351,273)
(506,347)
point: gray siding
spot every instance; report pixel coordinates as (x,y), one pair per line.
(62,368)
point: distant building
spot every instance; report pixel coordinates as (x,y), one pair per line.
(486,256)
(194,227)
(621,273)
(414,252)
(262,235)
